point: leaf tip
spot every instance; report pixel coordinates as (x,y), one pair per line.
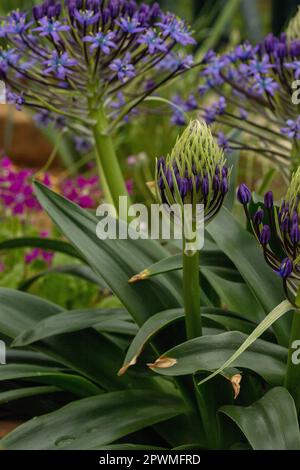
(139,277)
(126,366)
(163,363)
(236,384)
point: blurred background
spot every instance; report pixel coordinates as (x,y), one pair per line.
(217,24)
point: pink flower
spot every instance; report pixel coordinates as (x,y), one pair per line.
(82,190)
(129,186)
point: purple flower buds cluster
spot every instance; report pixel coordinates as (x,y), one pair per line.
(278,231)
(195,172)
(65,55)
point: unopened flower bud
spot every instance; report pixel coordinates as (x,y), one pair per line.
(195,170)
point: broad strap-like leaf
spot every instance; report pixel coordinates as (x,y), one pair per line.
(115,261)
(79,386)
(206,353)
(271,423)
(20,393)
(209,258)
(93,422)
(58,246)
(151,327)
(87,352)
(70,321)
(81,271)
(162,320)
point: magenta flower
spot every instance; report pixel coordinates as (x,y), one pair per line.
(16,192)
(82,190)
(40,254)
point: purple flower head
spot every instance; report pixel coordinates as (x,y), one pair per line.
(59,65)
(17,23)
(103,41)
(176,29)
(265,85)
(86,17)
(124,68)
(153,41)
(8,57)
(262,66)
(242,52)
(292,129)
(51,27)
(76,47)
(295,66)
(130,25)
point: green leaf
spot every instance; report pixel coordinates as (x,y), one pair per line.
(73,383)
(12,395)
(150,328)
(115,260)
(244,252)
(86,352)
(273,316)
(206,353)
(43,243)
(80,271)
(162,320)
(236,296)
(68,322)
(93,422)
(271,423)
(215,259)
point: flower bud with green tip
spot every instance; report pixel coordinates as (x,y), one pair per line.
(277,229)
(195,172)
(195,176)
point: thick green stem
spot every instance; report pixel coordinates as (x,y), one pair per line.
(191,294)
(110,172)
(292,378)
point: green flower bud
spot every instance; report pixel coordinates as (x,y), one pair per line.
(195,172)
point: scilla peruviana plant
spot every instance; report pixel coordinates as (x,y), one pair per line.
(277,230)
(194,173)
(88,63)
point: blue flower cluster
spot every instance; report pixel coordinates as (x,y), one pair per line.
(65,54)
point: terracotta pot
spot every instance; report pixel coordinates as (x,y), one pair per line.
(24,143)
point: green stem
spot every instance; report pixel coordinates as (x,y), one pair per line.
(292,377)
(109,169)
(191,294)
